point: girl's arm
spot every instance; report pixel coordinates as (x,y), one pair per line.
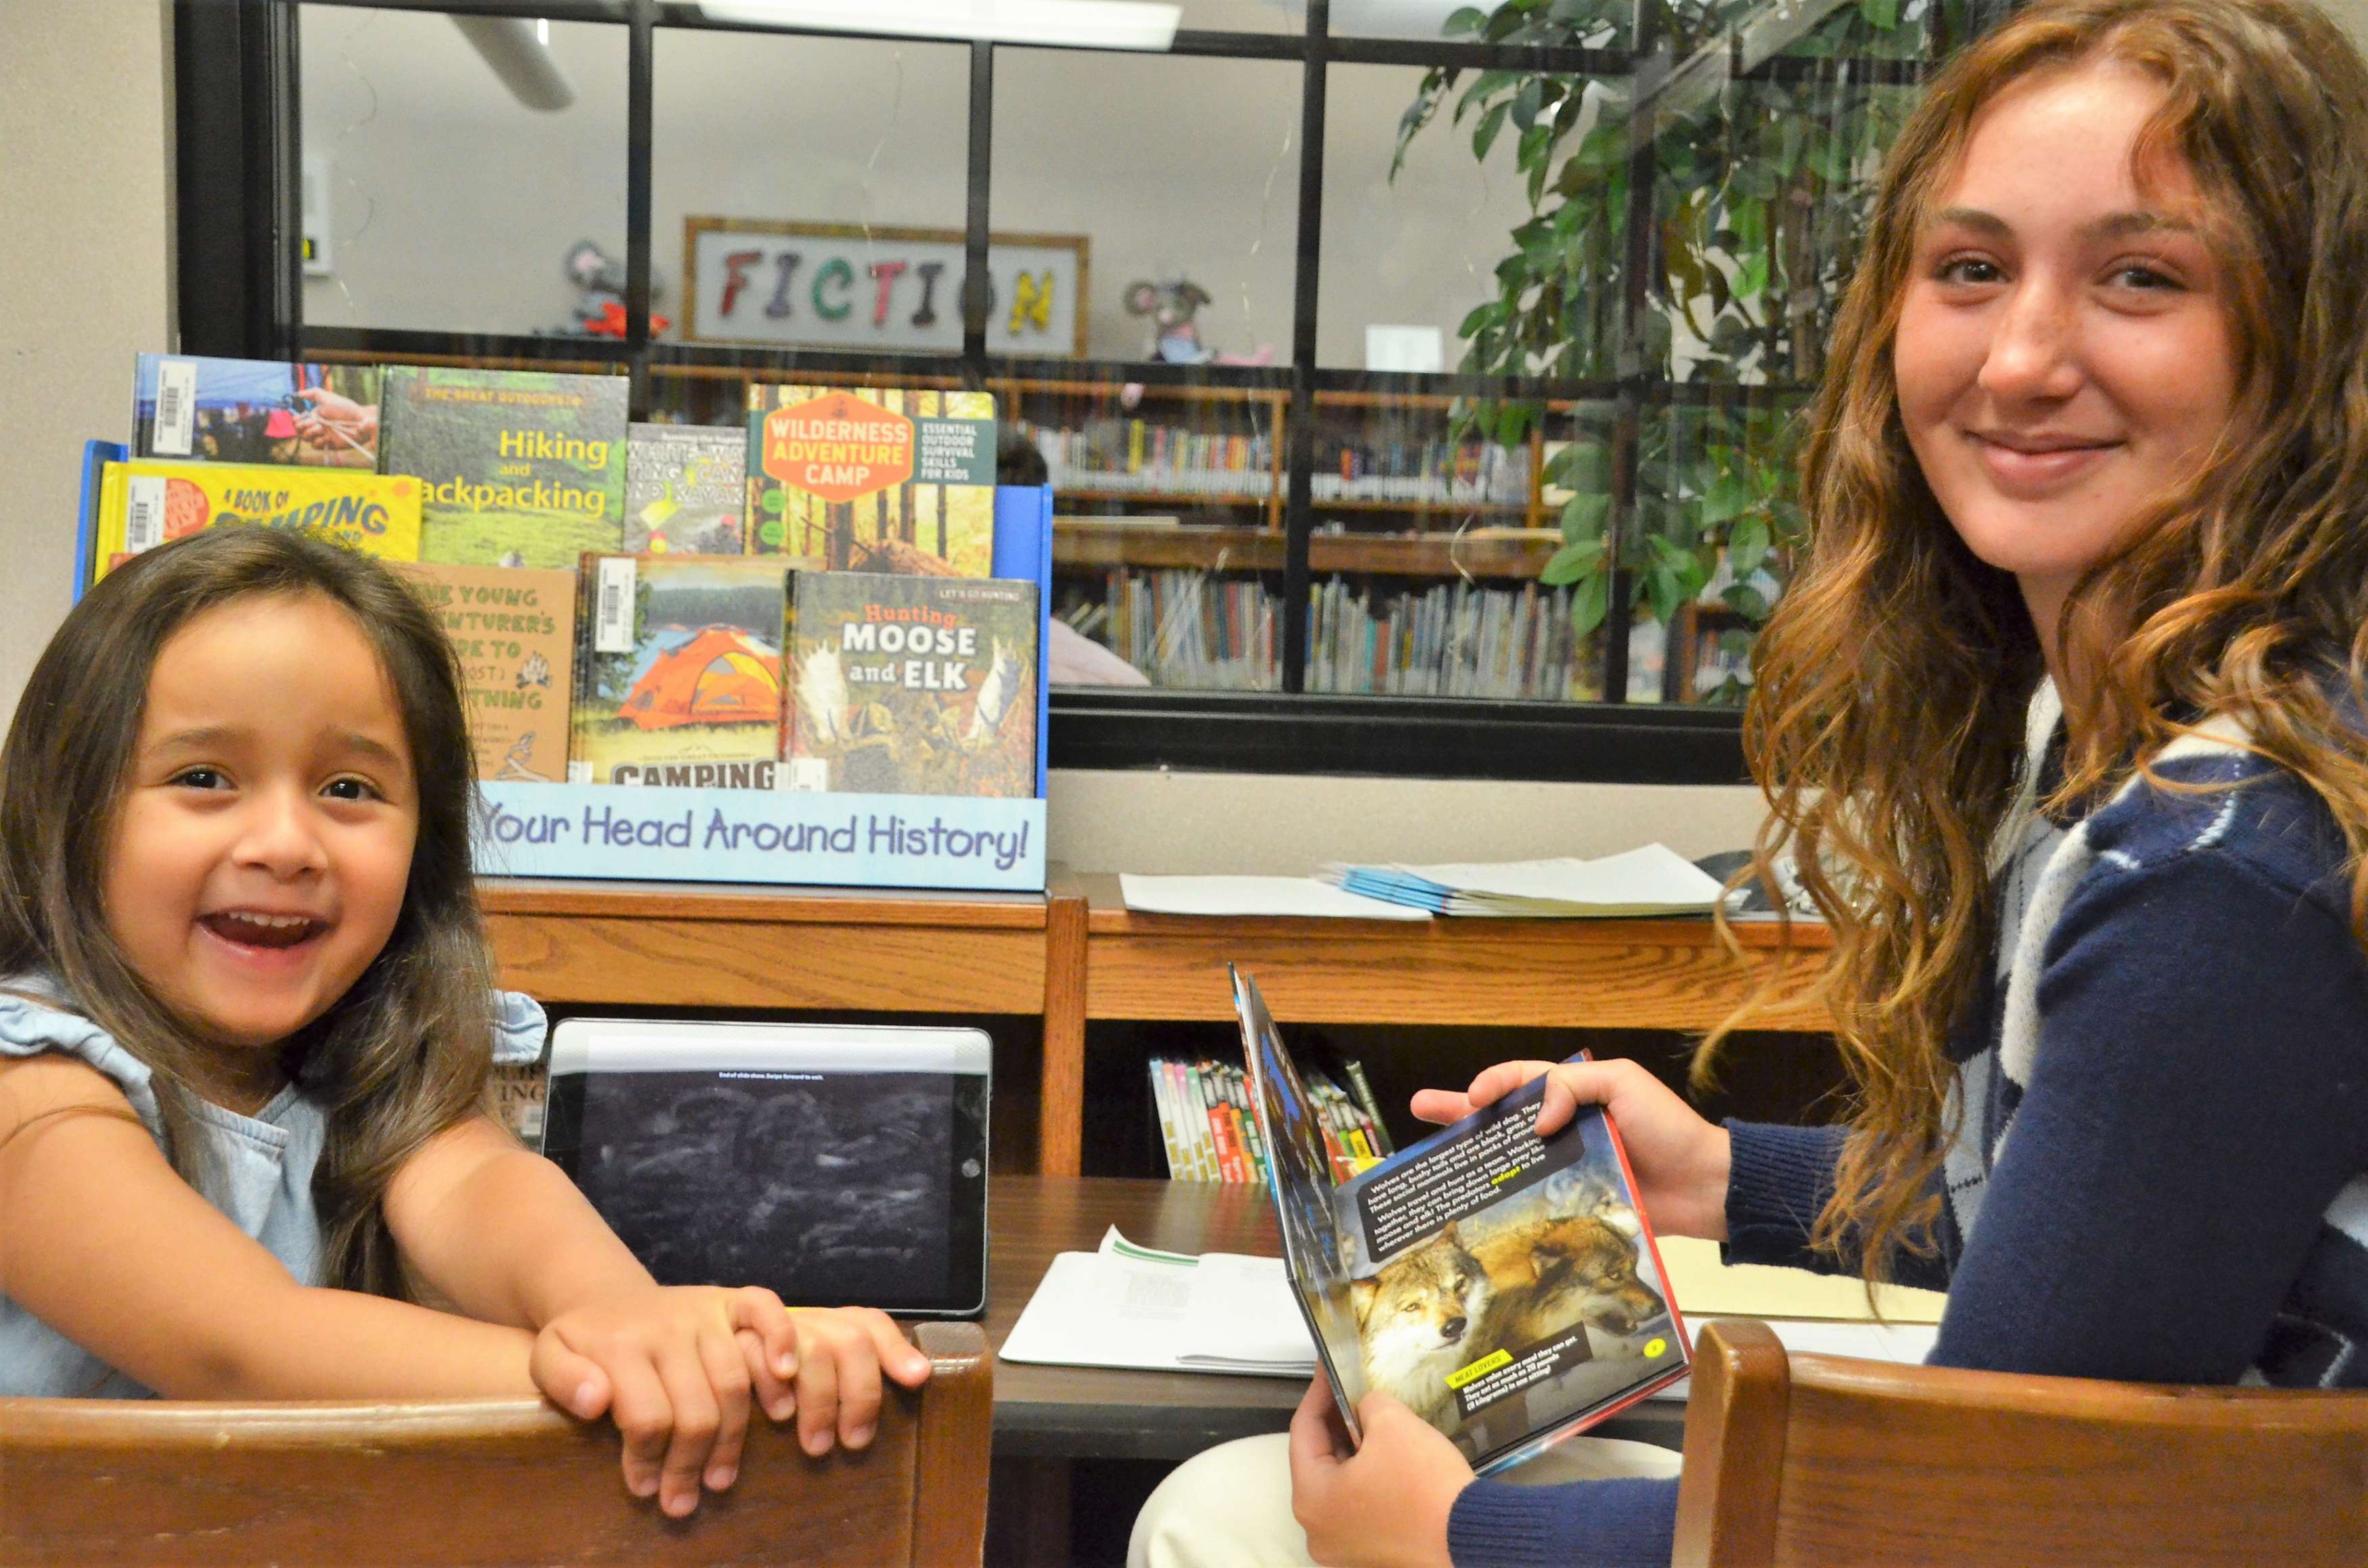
(100,1239)
(504,1233)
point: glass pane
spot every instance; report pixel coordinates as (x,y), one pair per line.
(1410,246)
(1168,544)
(1181,176)
(809,191)
(1243,16)
(1567,24)
(1432,535)
(1717,527)
(463,174)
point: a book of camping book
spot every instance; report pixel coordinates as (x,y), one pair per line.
(255,410)
(686,489)
(146,501)
(873,479)
(514,628)
(1505,1287)
(911,685)
(518,467)
(679,670)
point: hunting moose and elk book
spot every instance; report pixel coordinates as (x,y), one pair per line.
(873,479)
(1505,1287)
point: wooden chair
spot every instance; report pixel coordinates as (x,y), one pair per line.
(1823,1461)
(481,1483)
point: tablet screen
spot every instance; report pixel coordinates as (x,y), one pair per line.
(838,1164)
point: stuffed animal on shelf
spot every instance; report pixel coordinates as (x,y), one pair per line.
(1175,336)
(600,282)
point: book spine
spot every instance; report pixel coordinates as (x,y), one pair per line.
(1362,1090)
(1166,1119)
(1237,1085)
(1221,1125)
(1198,1106)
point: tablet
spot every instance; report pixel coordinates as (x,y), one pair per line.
(840,1164)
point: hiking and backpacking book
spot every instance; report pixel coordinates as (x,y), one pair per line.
(514,628)
(686,489)
(873,479)
(679,670)
(518,467)
(255,410)
(1505,1287)
(911,685)
(146,501)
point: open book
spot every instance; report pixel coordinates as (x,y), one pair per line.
(1505,1287)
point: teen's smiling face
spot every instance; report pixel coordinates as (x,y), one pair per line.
(2063,353)
(264,838)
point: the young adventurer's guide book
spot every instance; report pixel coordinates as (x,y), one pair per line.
(1505,1287)
(873,479)
(515,632)
(518,467)
(911,685)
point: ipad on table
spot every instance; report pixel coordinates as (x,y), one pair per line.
(839,1165)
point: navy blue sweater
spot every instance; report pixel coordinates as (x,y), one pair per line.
(2177,1036)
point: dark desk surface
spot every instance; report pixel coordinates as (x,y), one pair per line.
(1093,1412)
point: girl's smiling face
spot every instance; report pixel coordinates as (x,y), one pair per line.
(263,842)
(2063,354)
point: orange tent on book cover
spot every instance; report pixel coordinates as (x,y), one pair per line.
(720,676)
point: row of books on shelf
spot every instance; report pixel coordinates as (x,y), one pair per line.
(1453,639)
(1210,1132)
(1439,473)
(1126,455)
(646,646)
(1183,627)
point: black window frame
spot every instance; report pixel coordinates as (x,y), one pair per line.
(241,294)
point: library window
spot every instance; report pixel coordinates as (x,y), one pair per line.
(1419,384)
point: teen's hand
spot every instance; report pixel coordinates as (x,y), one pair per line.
(841,1353)
(1680,1161)
(1380,1505)
(675,1367)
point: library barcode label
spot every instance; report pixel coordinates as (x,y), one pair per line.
(613,621)
(177,409)
(143,513)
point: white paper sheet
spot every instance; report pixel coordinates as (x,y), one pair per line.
(1128,1306)
(1255,895)
(1653,877)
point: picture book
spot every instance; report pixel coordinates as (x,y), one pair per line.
(911,685)
(1505,1287)
(515,630)
(873,479)
(679,670)
(685,488)
(255,411)
(144,501)
(518,467)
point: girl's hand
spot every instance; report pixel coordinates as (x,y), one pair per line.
(841,1352)
(1680,1161)
(1383,1505)
(674,1368)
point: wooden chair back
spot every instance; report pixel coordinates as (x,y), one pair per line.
(484,1483)
(1825,1460)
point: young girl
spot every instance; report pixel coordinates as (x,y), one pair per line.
(245,1028)
(2062,723)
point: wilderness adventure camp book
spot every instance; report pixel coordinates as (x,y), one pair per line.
(1505,1287)
(518,467)
(911,685)
(144,501)
(686,489)
(515,630)
(873,479)
(679,670)
(255,410)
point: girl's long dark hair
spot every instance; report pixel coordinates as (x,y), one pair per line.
(404,1053)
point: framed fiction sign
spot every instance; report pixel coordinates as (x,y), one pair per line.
(845,285)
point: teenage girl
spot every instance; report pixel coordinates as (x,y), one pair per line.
(2062,722)
(245,1021)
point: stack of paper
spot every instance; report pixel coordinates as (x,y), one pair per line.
(1125,1305)
(1254,895)
(1655,879)
(1824,1314)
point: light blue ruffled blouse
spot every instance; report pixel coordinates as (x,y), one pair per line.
(258,1172)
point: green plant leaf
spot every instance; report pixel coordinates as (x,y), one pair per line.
(1881,15)
(1582,520)
(1463,20)
(1527,102)
(1589,605)
(1747,546)
(1729,496)
(1752,282)
(1571,562)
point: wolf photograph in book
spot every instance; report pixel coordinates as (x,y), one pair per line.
(1503,1286)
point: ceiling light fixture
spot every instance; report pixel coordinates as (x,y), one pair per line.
(521,58)
(1085,24)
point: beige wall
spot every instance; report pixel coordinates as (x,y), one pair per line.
(85,172)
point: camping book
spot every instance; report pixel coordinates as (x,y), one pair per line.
(679,670)
(514,630)
(873,479)
(518,467)
(144,501)
(255,410)
(1505,1287)
(686,489)
(911,685)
